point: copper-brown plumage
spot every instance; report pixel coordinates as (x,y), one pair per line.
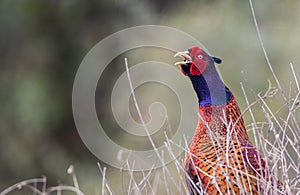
(221,157)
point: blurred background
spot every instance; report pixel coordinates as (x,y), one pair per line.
(42,43)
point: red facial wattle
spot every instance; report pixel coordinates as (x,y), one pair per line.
(197,68)
(199,62)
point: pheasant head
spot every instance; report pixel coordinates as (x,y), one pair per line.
(196,61)
(199,66)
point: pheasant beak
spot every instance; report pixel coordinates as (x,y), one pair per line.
(185,56)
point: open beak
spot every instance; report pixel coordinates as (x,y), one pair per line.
(185,56)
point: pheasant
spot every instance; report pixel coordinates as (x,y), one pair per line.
(221,157)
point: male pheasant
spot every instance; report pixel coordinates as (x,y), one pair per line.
(221,157)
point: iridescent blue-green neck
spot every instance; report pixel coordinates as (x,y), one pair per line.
(210,89)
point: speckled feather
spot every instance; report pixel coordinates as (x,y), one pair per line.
(222,159)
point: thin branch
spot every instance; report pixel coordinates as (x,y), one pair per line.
(22,184)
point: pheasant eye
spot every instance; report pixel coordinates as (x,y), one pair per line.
(200,56)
